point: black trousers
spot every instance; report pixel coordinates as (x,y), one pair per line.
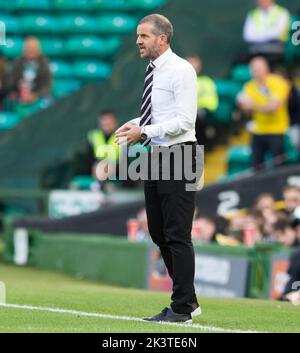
(170,209)
(262,144)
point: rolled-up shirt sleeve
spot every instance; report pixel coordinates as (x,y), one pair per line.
(185,94)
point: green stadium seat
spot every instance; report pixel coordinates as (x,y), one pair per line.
(76,24)
(292,154)
(91,70)
(223,115)
(228,89)
(38,24)
(7,5)
(52,46)
(63,87)
(72,5)
(82,182)
(241,73)
(145,5)
(116,24)
(238,159)
(31,5)
(60,68)
(92,46)
(102,5)
(12,25)
(8,120)
(13,47)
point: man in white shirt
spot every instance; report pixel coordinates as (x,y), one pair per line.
(168,115)
(266,29)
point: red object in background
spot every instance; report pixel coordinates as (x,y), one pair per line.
(132,229)
(248,235)
(24,91)
(196,230)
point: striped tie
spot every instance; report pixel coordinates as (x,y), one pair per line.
(146,101)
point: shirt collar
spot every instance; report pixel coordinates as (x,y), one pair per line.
(162,58)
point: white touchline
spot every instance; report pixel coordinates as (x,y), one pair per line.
(117,317)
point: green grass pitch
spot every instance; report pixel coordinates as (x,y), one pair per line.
(39,288)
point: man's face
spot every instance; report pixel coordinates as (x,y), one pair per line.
(107,123)
(148,43)
(31,49)
(264,4)
(286,237)
(259,69)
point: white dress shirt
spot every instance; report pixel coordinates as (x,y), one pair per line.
(173,101)
(266,32)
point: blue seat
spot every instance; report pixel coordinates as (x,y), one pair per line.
(38,24)
(52,46)
(103,5)
(116,24)
(91,70)
(72,5)
(12,25)
(60,68)
(8,120)
(92,46)
(13,47)
(63,87)
(76,24)
(31,5)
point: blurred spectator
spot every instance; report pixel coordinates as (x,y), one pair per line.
(143,231)
(137,228)
(207,229)
(291,198)
(4,88)
(291,291)
(264,201)
(265,98)
(102,146)
(208,100)
(285,234)
(266,30)
(31,76)
(294,111)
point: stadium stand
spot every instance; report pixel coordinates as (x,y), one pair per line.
(81,37)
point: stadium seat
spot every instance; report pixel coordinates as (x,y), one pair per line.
(91,70)
(146,5)
(7,5)
(52,46)
(76,24)
(60,68)
(82,182)
(241,73)
(119,5)
(8,120)
(238,159)
(31,5)
(38,24)
(223,114)
(228,89)
(92,46)
(13,47)
(63,87)
(116,24)
(12,25)
(72,5)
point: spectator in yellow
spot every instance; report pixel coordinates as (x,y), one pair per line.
(266,30)
(208,100)
(102,146)
(266,99)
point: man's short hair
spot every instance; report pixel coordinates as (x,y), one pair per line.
(161,25)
